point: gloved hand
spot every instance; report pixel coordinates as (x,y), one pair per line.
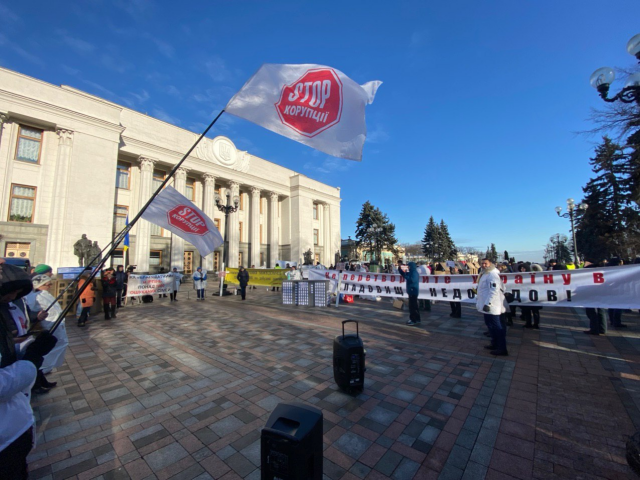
(486,308)
(42,345)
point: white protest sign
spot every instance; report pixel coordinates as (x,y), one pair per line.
(149,284)
(612,287)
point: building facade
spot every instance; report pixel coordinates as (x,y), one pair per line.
(72,163)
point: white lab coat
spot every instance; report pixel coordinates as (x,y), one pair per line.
(491,292)
(16,416)
(177,278)
(200,280)
(55,358)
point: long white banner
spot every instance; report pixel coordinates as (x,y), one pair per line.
(612,287)
(149,284)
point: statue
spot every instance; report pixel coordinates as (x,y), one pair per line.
(82,250)
(95,254)
(308,257)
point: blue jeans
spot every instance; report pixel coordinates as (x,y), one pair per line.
(200,292)
(497,331)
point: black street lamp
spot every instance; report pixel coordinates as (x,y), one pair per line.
(227,209)
(571,211)
(602,78)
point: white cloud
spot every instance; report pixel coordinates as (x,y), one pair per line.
(329,165)
(68,70)
(115,64)
(377,135)
(77,44)
(6,15)
(26,55)
(217,69)
(164,116)
(140,97)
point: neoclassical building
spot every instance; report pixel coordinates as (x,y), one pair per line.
(72,163)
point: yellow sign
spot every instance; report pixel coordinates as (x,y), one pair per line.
(268,277)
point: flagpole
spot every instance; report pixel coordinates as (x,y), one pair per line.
(120,237)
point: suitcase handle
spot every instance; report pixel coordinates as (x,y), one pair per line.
(357,328)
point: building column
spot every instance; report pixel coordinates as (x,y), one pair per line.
(143,234)
(177,243)
(209,210)
(255,227)
(274,230)
(55,236)
(326,230)
(234,228)
(4,117)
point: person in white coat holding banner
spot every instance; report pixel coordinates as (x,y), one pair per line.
(490,301)
(200,283)
(177,280)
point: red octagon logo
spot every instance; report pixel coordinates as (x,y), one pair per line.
(188,220)
(312,103)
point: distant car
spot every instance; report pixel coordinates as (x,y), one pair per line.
(22,263)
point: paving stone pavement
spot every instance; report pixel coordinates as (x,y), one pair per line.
(182,390)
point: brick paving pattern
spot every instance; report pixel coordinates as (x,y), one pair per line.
(182,390)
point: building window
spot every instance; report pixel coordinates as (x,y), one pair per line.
(216,222)
(17,250)
(190,190)
(21,205)
(315,211)
(123,175)
(29,144)
(260,233)
(120,213)
(315,236)
(240,229)
(261,259)
(260,205)
(155,258)
(117,258)
(158,178)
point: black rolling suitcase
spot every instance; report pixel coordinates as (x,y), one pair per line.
(348,360)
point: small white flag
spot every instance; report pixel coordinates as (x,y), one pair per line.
(311,104)
(173,211)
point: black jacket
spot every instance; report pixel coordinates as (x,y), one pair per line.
(109,287)
(243,277)
(121,279)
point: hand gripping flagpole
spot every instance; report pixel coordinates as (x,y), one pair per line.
(120,236)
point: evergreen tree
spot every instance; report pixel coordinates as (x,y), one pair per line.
(506,256)
(492,253)
(429,238)
(609,227)
(385,239)
(448,249)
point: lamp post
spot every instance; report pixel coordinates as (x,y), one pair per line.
(572,208)
(602,78)
(226,209)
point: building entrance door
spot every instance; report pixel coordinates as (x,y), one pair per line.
(240,259)
(317,255)
(188,263)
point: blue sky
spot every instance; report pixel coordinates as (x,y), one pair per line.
(477,120)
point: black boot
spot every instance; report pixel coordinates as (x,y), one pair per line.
(107,311)
(44,382)
(113,311)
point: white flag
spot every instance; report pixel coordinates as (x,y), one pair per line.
(173,211)
(311,104)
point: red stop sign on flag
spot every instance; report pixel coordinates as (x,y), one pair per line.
(312,103)
(187,219)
